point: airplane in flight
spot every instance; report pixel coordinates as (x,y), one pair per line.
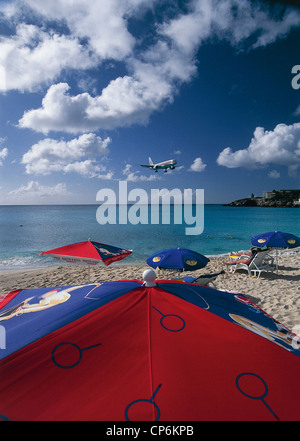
(171,163)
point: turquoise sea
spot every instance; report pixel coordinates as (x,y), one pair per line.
(25,231)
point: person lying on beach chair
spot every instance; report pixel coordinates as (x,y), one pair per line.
(254,250)
(256,263)
(203,280)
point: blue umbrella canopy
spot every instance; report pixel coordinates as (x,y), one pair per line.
(177,258)
(276,239)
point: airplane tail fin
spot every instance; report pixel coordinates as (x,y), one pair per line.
(150,161)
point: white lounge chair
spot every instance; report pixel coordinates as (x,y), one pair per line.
(261,261)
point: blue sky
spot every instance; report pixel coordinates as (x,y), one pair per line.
(90,89)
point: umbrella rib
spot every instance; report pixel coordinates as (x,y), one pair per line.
(149,347)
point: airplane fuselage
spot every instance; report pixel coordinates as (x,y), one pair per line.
(164,165)
(171,163)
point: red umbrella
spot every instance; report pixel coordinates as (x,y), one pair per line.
(88,253)
(128,350)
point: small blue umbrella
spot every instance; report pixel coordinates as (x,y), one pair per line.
(276,239)
(179,259)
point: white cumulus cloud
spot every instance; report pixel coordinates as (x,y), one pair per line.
(3,154)
(102,22)
(67,34)
(77,155)
(135,176)
(274,174)
(32,57)
(35,190)
(280,146)
(154,71)
(198,165)
(123,102)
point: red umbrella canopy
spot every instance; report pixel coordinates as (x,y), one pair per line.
(168,351)
(88,252)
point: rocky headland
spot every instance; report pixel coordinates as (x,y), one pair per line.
(281,198)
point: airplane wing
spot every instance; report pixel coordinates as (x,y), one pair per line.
(148,166)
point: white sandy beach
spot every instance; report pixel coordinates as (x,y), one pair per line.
(277,294)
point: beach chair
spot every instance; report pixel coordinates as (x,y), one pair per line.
(255,264)
(203,280)
(246,254)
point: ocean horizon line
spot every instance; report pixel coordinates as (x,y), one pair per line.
(97,204)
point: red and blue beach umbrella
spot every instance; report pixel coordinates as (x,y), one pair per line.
(88,252)
(132,350)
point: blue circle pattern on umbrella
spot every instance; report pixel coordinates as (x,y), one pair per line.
(178,259)
(276,239)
